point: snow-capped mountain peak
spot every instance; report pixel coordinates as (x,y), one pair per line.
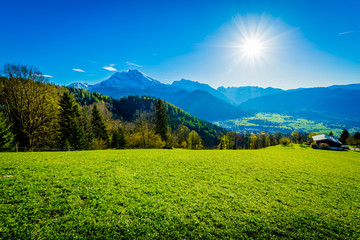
(131,79)
(79,85)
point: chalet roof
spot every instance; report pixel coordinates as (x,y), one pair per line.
(325,137)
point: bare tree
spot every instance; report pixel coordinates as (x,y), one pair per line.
(30,104)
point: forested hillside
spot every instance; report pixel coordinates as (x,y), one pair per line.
(36,115)
(128,108)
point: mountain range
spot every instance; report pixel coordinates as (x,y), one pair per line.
(199,99)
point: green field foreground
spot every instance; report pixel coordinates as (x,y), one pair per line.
(277,192)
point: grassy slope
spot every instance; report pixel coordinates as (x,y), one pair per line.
(268,193)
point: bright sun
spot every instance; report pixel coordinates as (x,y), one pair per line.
(252,47)
(254,40)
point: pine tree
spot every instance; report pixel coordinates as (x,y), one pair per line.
(114,140)
(356,139)
(161,118)
(331,134)
(357,135)
(344,136)
(98,125)
(86,126)
(118,139)
(71,135)
(79,140)
(6,135)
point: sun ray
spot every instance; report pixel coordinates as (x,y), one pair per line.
(255,39)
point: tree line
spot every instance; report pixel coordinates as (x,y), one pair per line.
(349,139)
(233,140)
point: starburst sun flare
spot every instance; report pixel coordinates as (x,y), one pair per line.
(255,39)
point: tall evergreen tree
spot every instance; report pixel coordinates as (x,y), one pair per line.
(79,139)
(344,136)
(6,135)
(98,125)
(86,126)
(118,139)
(356,139)
(331,134)
(357,135)
(161,119)
(70,131)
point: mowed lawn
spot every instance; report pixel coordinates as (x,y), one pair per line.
(276,192)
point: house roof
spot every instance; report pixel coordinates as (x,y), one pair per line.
(325,137)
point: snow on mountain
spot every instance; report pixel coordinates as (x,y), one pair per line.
(79,85)
(131,79)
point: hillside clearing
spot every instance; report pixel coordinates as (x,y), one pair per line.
(268,193)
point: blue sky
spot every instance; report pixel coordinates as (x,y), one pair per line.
(307,43)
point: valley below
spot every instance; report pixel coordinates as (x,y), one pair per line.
(271,122)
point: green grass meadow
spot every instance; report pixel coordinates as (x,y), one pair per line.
(277,192)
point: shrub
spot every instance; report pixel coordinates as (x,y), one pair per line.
(313,145)
(324,145)
(98,144)
(146,139)
(305,145)
(285,141)
(183,144)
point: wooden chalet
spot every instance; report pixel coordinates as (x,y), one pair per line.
(332,142)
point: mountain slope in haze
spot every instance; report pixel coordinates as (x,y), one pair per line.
(319,103)
(205,106)
(191,86)
(355,86)
(239,95)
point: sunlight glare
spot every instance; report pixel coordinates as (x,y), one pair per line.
(252,47)
(255,40)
